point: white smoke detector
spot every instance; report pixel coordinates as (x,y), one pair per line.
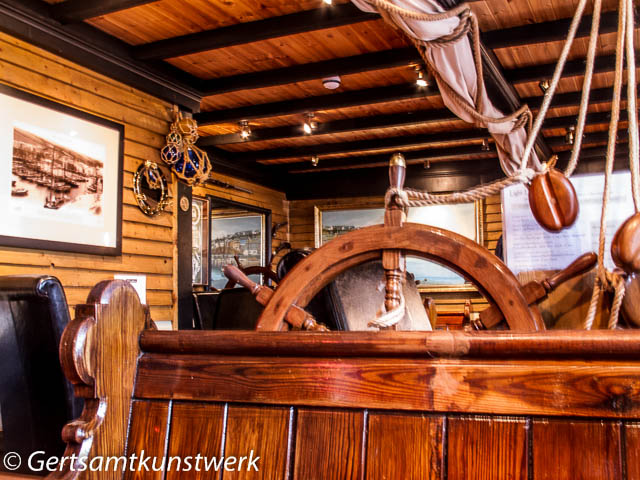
(331,82)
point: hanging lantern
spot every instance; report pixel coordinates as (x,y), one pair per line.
(188,162)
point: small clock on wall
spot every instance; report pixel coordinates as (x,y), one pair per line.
(184,204)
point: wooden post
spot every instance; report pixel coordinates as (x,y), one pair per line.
(393,261)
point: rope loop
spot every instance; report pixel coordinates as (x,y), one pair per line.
(391,317)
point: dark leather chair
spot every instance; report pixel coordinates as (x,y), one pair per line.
(36,400)
(204,309)
(236,309)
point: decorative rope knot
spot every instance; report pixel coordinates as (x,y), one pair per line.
(396,196)
(389,318)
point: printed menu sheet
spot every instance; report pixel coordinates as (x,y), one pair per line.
(528,246)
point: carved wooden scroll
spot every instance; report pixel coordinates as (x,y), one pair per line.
(99,353)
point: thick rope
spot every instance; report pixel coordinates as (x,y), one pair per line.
(548,95)
(632,110)
(414,198)
(586,89)
(391,317)
(607,279)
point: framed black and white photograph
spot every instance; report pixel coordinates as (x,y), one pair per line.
(464,219)
(62,171)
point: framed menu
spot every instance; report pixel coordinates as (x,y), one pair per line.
(527,246)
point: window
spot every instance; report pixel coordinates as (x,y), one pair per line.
(226,232)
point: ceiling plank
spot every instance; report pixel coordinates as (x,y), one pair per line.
(72,11)
(309,71)
(334,101)
(241,33)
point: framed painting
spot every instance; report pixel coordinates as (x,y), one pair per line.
(465,219)
(62,171)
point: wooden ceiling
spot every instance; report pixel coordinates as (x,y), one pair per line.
(263,62)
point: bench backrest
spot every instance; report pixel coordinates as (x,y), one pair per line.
(396,405)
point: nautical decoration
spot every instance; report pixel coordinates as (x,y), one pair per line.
(150,189)
(188,162)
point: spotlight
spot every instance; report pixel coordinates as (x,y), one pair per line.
(544,85)
(314,160)
(485,145)
(570,136)
(245,129)
(309,125)
(421,79)
(328,2)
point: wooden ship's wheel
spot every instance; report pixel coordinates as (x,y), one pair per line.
(391,242)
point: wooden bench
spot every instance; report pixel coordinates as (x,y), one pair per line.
(353,405)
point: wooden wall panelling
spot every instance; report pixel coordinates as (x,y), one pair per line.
(329,444)
(196,428)
(259,432)
(147,242)
(576,449)
(632,450)
(486,448)
(404,446)
(148,433)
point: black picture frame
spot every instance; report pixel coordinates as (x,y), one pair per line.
(88,185)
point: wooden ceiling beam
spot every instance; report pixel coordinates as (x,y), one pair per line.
(368,96)
(84,44)
(573,68)
(544,32)
(398,57)
(72,11)
(405,141)
(440,115)
(334,101)
(421,117)
(380,159)
(439,178)
(248,32)
(435,157)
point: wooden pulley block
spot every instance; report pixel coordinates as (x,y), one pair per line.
(625,246)
(553,200)
(631,301)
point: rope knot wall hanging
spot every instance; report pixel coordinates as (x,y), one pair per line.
(188,162)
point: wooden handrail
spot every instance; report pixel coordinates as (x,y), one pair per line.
(485,344)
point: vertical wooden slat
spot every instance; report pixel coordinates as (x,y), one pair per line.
(148,433)
(571,450)
(487,448)
(263,431)
(413,442)
(196,428)
(329,445)
(632,450)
